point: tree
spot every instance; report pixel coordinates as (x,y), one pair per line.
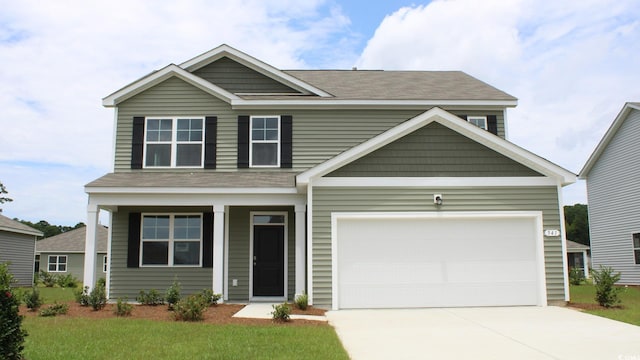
(49,229)
(576,220)
(3,192)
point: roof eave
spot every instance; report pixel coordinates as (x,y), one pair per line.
(22,231)
(243,104)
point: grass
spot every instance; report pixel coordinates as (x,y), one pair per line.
(628,312)
(116,338)
(51,294)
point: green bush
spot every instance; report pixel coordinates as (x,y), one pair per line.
(302,301)
(66,281)
(102,282)
(281,312)
(98,298)
(11,334)
(173,294)
(54,309)
(210,297)
(190,308)
(576,277)
(82,296)
(32,299)
(152,298)
(123,308)
(47,278)
(604,280)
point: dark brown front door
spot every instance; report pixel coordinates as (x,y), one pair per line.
(268,260)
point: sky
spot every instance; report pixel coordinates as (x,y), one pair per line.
(571,64)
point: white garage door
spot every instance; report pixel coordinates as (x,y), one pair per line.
(437,260)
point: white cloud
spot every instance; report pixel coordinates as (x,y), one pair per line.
(571,64)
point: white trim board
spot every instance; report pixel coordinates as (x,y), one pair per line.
(434,181)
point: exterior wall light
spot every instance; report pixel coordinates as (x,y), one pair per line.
(437,199)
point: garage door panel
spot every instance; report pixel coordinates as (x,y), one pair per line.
(434,262)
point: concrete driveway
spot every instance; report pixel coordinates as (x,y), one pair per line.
(484,333)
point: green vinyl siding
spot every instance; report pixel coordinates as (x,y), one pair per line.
(239,250)
(75,264)
(433,151)
(237,78)
(18,250)
(318,135)
(127,282)
(375,199)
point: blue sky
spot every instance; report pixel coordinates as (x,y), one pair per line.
(572,65)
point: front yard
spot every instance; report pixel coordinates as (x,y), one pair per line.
(583,296)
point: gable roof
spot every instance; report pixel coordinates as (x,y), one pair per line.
(608,136)
(329,88)
(73,241)
(573,246)
(9,225)
(453,122)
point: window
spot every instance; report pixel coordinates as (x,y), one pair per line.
(479,121)
(104,264)
(57,263)
(171,240)
(265,141)
(174,142)
(636,247)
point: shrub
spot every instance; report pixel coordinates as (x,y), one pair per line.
(102,282)
(302,301)
(82,296)
(98,298)
(575,276)
(604,280)
(152,298)
(66,281)
(210,297)
(47,278)
(281,312)
(173,294)
(11,334)
(190,308)
(32,299)
(123,308)
(55,309)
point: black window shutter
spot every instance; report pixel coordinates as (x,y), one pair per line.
(243,141)
(286,141)
(133,253)
(211,130)
(492,124)
(207,240)
(137,142)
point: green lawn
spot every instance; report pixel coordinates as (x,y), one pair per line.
(629,311)
(119,338)
(51,294)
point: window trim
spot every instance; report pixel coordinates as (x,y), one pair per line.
(278,142)
(174,142)
(171,241)
(57,263)
(474,117)
(635,249)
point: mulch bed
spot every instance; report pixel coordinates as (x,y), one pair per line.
(217,314)
(583,306)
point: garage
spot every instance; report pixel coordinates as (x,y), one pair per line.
(440,259)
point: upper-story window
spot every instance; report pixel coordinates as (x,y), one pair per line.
(174,142)
(636,247)
(479,121)
(264,141)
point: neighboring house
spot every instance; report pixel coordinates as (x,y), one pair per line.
(17,247)
(578,257)
(613,191)
(361,188)
(64,253)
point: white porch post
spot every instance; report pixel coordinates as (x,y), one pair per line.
(90,246)
(218,249)
(585,263)
(300,249)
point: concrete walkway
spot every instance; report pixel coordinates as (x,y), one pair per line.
(484,333)
(263,311)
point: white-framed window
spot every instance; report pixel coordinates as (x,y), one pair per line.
(264,141)
(479,121)
(104,264)
(636,248)
(174,142)
(171,240)
(57,263)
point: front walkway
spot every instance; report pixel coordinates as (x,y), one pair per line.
(263,311)
(484,333)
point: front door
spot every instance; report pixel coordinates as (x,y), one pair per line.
(268,260)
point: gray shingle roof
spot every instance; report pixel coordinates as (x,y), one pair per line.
(10,225)
(73,241)
(573,246)
(245,179)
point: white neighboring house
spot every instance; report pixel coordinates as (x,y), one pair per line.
(613,189)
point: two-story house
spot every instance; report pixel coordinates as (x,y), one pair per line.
(362,189)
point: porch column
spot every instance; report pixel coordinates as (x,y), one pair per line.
(218,250)
(90,246)
(585,263)
(300,249)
